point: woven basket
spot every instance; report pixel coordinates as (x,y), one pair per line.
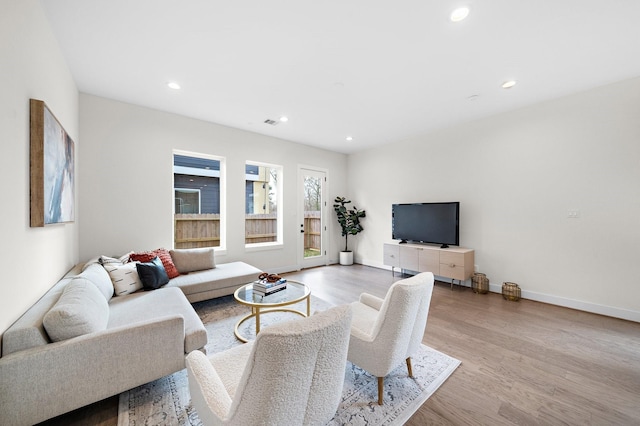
(480,283)
(511,291)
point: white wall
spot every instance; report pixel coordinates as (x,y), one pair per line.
(31,66)
(126,193)
(517,175)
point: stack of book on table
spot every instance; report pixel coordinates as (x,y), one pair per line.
(264,288)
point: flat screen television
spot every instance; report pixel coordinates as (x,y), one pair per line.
(435,223)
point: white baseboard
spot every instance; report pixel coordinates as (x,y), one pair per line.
(293,268)
(375,264)
(580,305)
(286,268)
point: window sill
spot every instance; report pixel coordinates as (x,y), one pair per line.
(219,252)
(263,247)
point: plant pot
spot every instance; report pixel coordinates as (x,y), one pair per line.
(346,258)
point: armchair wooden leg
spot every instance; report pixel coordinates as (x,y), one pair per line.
(380,390)
(409,367)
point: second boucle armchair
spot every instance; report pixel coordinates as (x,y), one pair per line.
(386,332)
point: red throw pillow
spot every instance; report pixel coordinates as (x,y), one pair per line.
(165,258)
(143,256)
(167,262)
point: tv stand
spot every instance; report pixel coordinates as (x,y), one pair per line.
(444,246)
(403,242)
(454,263)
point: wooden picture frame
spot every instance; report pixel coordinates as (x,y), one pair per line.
(52,167)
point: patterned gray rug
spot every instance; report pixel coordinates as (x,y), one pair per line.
(166,401)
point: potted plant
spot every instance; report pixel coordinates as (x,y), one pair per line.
(349,220)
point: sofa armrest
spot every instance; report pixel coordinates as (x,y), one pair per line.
(45,381)
(371,301)
(361,335)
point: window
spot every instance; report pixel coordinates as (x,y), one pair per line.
(263,200)
(198,189)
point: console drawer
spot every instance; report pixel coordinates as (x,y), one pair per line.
(452,270)
(391,255)
(452,265)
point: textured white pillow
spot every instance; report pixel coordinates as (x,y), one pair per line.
(103,260)
(80,310)
(191,260)
(108,259)
(124,277)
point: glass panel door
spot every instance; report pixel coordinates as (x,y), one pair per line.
(312,218)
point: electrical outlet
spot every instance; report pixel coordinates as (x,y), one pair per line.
(573,214)
(476,268)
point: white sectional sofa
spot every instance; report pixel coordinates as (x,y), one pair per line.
(79,343)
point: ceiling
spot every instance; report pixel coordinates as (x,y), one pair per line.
(378,71)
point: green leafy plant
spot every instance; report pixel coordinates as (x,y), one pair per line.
(349,219)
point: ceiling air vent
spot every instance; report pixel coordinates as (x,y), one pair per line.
(270,121)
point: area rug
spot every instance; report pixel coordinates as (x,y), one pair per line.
(166,401)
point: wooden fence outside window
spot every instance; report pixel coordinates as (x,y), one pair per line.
(203,230)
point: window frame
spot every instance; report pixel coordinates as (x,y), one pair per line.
(222,247)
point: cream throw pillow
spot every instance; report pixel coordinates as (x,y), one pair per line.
(191,260)
(99,277)
(81,309)
(124,277)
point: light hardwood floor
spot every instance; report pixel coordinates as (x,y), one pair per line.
(525,362)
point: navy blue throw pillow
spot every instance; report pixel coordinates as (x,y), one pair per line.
(152,274)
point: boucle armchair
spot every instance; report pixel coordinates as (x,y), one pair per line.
(384,332)
(291,374)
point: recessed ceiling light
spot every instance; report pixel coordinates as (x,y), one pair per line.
(349,138)
(173,85)
(459,14)
(284,119)
(508,84)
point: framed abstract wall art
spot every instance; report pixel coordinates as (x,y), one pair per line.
(52,164)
